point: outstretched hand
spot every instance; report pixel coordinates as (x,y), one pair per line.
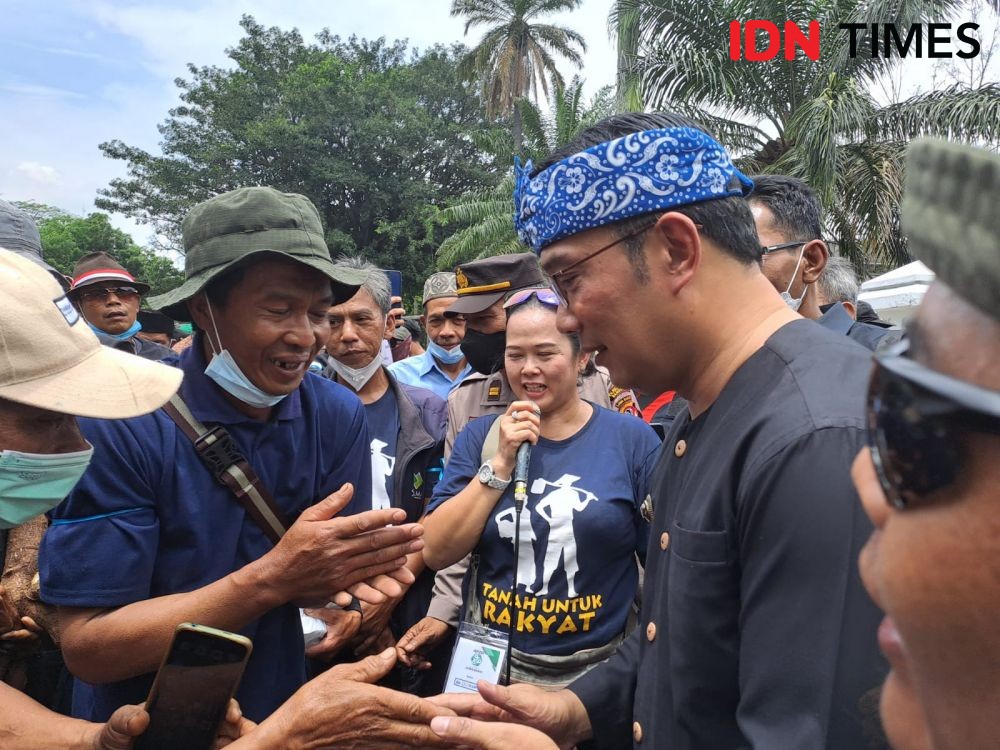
(484,735)
(422,638)
(558,715)
(344,708)
(322,554)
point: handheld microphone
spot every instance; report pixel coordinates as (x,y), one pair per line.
(521,474)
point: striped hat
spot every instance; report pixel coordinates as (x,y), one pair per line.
(101,268)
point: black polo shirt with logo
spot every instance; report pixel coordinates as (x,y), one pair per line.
(755,629)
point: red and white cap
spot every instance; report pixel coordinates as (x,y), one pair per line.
(101,268)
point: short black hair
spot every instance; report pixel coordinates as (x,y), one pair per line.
(726,221)
(794,205)
(219,288)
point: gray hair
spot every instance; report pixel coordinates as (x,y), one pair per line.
(376,282)
(838,282)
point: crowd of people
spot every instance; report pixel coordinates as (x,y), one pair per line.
(699,494)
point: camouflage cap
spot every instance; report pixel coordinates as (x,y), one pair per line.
(230,228)
(950,216)
(480,283)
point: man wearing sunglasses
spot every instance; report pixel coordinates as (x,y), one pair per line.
(929,479)
(755,630)
(794,256)
(108,297)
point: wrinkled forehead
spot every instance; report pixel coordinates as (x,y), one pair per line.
(274,275)
(437,307)
(362,303)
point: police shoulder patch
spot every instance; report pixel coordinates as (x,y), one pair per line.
(623,400)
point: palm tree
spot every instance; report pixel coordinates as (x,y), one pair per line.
(487,215)
(516,58)
(817,120)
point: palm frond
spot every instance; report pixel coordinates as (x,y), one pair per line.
(956,112)
(841,110)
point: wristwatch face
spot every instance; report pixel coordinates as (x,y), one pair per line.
(485,473)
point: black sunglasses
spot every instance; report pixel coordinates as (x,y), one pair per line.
(102,292)
(917,422)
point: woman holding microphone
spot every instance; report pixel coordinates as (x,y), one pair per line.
(581,527)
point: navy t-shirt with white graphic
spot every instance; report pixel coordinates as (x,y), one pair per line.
(383,429)
(580,530)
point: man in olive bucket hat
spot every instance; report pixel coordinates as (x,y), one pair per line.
(150,538)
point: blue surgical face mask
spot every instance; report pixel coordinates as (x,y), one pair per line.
(123,336)
(446,356)
(33,483)
(230,378)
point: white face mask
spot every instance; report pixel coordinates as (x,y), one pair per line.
(230,378)
(356,378)
(793,303)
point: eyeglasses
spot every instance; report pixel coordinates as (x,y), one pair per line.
(102,292)
(767,249)
(544,295)
(917,423)
(563,297)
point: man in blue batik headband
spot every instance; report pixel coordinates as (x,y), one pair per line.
(641,172)
(755,630)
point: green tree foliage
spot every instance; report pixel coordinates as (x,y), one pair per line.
(371,132)
(487,214)
(66,238)
(516,56)
(816,120)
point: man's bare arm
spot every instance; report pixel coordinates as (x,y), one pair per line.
(318,556)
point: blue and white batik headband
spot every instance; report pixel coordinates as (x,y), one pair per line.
(654,170)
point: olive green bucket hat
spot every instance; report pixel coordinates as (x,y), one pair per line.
(226,230)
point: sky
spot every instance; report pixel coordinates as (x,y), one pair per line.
(75,73)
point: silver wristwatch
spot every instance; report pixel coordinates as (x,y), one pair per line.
(488,477)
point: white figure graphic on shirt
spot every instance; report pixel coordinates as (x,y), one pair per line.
(526,554)
(557,508)
(382,466)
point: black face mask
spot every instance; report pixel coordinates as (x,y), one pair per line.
(484,351)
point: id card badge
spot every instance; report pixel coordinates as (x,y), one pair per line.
(479,654)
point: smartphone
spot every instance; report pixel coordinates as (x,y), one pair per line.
(395,282)
(192,689)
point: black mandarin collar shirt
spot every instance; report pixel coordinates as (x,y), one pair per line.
(755,631)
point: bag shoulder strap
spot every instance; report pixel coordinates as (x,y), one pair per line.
(216,449)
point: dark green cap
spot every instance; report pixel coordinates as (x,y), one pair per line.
(226,230)
(951,218)
(480,283)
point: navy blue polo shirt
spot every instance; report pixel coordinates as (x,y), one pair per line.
(148,519)
(580,530)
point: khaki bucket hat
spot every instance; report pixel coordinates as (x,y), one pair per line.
(226,230)
(50,359)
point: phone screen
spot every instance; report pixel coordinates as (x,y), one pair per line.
(192,690)
(395,282)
